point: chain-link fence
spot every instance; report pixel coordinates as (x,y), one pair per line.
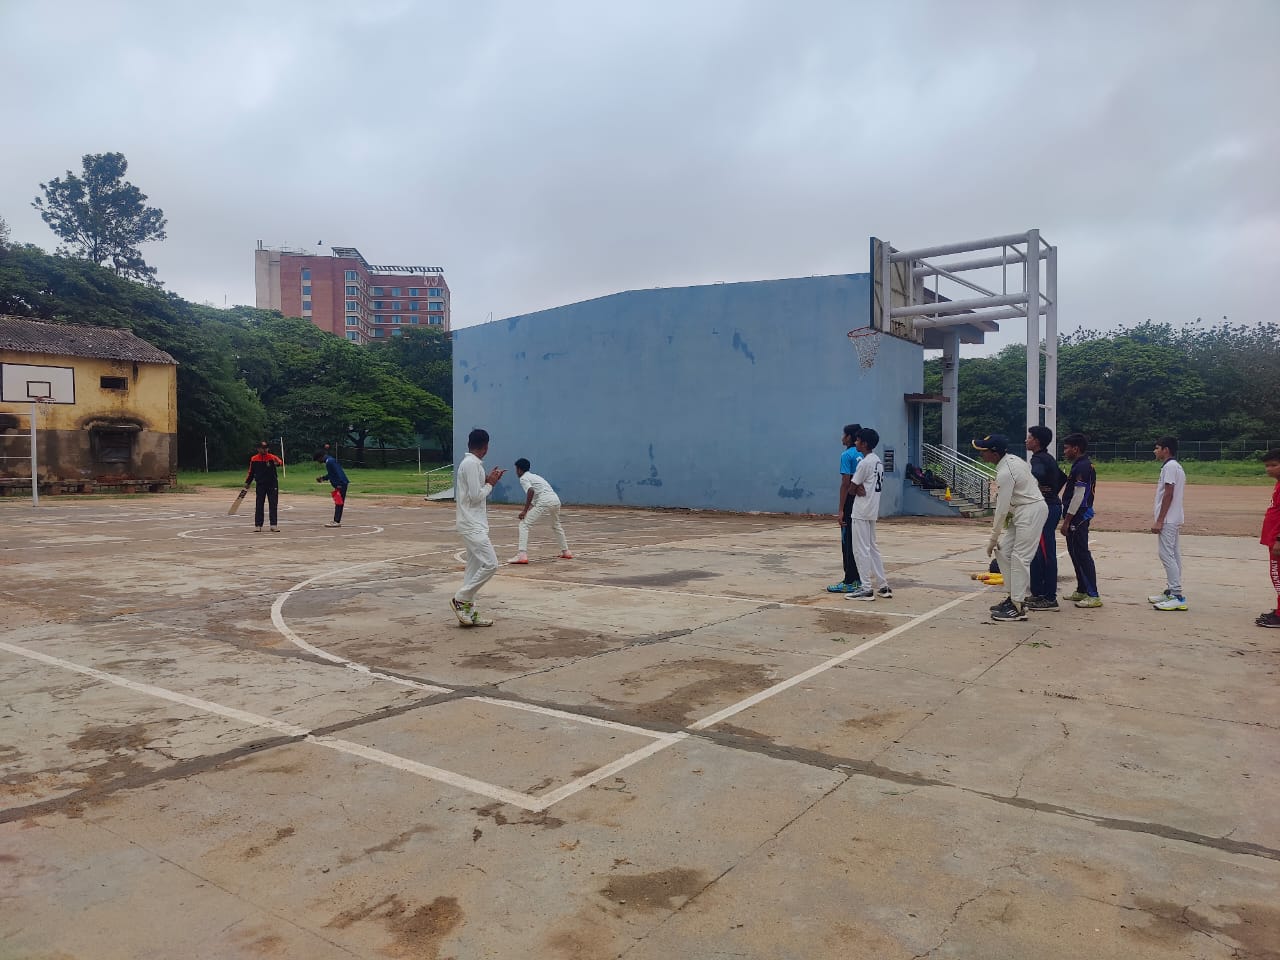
(1102,451)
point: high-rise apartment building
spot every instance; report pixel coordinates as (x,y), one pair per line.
(349,297)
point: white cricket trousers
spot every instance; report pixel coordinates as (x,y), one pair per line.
(867,553)
(482,563)
(537,512)
(1171,556)
(1017,545)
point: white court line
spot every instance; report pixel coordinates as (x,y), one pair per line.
(426,771)
(608,770)
(790,682)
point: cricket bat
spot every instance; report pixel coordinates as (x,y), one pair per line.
(235,504)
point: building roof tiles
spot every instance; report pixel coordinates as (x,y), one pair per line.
(21,335)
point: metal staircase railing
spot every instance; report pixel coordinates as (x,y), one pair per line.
(969,479)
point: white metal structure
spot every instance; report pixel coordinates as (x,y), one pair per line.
(904,305)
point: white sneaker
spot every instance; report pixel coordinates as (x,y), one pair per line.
(519,558)
(338,524)
(257,529)
(273,529)
(1172,603)
(1160,597)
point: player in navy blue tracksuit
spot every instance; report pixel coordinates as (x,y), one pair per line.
(1077,511)
(337,479)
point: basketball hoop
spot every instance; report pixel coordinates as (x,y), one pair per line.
(867,342)
(42,406)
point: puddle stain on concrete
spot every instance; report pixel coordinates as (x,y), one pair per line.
(714,681)
(395,843)
(416,934)
(256,850)
(560,644)
(654,891)
(669,578)
(852,622)
(873,721)
(1256,928)
(543,819)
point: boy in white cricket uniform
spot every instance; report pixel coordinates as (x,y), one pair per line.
(868,479)
(472,518)
(1168,524)
(539,501)
(1020,502)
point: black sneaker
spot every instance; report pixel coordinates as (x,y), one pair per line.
(1041,603)
(1011,612)
(1006,602)
(1268,620)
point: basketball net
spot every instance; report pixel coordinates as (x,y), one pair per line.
(866,342)
(43,406)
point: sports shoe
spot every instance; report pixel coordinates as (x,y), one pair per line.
(1160,597)
(1076,597)
(479,621)
(844,587)
(1174,602)
(1009,611)
(884,593)
(566,555)
(519,558)
(464,611)
(862,593)
(1089,603)
(1003,603)
(1041,603)
(275,529)
(1268,620)
(257,529)
(334,523)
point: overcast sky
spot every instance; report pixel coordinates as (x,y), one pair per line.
(545,153)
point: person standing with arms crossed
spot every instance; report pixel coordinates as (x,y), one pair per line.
(1044,564)
(337,478)
(1168,524)
(849,460)
(262,473)
(472,512)
(1077,511)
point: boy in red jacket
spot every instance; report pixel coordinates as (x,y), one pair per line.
(1271,535)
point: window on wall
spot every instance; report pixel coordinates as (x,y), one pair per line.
(353,321)
(433,320)
(351,275)
(395,291)
(413,319)
(306,306)
(413,291)
(378,305)
(111,446)
(396,332)
(377,331)
(352,306)
(352,335)
(413,304)
(433,291)
(377,291)
(306,289)
(114,383)
(435,307)
(306,273)
(395,318)
(353,291)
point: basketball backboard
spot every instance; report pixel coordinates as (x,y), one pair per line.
(22,383)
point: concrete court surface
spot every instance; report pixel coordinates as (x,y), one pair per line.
(224,744)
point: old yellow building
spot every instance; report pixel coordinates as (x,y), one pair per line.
(111,419)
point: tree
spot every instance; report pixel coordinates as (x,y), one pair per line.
(4,232)
(102,217)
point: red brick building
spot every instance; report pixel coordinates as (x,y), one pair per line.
(349,297)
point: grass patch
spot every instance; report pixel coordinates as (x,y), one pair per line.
(301,480)
(1244,473)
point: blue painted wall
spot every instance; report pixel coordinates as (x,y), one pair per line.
(723,397)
